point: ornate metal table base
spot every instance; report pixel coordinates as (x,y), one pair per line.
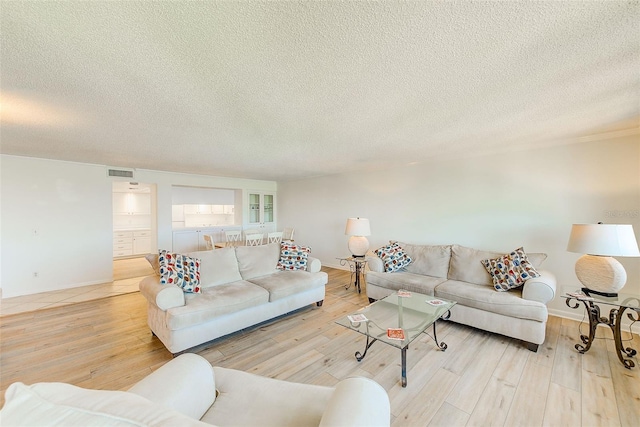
(356,267)
(403,350)
(613,321)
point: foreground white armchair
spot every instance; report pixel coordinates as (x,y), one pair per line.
(188,391)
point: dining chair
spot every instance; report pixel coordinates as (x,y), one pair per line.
(274,237)
(287,233)
(254,239)
(233,237)
(208,239)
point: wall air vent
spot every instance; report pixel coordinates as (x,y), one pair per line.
(120,173)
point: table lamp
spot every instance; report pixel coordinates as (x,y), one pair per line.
(597,270)
(358,228)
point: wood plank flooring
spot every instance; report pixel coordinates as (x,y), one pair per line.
(481,379)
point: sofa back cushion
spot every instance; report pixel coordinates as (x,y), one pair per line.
(428,260)
(217,267)
(466,264)
(256,261)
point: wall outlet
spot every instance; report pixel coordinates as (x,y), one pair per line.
(35,274)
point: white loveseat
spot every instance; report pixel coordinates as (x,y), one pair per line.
(188,391)
(456,273)
(240,286)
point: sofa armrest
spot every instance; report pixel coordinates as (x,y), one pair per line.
(163,296)
(541,288)
(375,264)
(186,384)
(313,264)
(357,401)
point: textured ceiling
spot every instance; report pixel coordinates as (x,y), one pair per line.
(287,90)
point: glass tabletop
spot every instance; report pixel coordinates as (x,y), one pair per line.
(622,300)
(413,314)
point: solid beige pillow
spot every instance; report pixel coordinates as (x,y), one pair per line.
(428,260)
(217,267)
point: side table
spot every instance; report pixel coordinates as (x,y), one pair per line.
(618,305)
(356,267)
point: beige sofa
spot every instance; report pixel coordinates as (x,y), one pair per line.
(241,287)
(455,273)
(188,391)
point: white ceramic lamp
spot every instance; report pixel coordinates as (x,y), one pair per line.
(597,270)
(358,229)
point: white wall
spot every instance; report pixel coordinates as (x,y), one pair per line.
(56,222)
(497,202)
(70,206)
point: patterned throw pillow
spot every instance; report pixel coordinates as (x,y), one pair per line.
(393,257)
(293,257)
(179,270)
(511,270)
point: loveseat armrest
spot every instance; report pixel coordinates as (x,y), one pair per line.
(541,288)
(357,401)
(186,384)
(163,296)
(375,263)
(313,264)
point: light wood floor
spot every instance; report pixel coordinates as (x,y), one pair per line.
(481,379)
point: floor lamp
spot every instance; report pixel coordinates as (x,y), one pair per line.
(597,270)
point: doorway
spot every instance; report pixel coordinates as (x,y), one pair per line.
(134,228)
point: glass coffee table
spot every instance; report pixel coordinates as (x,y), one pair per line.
(397,320)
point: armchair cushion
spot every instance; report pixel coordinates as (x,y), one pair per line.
(64,404)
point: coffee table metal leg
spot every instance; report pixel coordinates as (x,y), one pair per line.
(360,356)
(404,366)
(442,345)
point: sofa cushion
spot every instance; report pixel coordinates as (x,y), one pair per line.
(404,280)
(256,261)
(216,301)
(485,298)
(293,257)
(180,270)
(428,260)
(466,264)
(289,282)
(510,271)
(217,267)
(393,257)
(152,259)
(536,259)
(64,404)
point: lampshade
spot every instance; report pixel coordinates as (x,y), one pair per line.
(357,227)
(603,239)
(597,270)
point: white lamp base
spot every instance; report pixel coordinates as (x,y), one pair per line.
(603,275)
(358,245)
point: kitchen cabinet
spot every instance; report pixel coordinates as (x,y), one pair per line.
(129,243)
(197,209)
(262,210)
(131,203)
(193,239)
